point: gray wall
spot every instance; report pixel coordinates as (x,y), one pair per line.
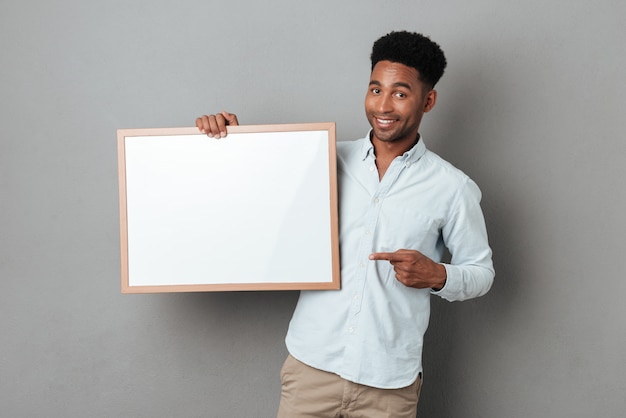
(532,107)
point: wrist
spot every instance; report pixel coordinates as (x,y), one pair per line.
(441,278)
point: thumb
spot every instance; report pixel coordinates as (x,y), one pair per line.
(231,118)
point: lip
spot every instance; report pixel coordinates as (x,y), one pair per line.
(385,122)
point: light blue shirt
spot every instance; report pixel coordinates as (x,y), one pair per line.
(372,330)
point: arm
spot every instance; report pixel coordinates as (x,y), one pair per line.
(215,125)
(470,272)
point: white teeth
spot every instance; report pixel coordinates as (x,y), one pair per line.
(385,121)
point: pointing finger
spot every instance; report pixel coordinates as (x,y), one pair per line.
(383,256)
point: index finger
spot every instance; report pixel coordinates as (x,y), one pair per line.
(219,126)
(384,256)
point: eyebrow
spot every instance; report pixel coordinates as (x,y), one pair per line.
(397,84)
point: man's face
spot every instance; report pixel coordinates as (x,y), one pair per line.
(396,101)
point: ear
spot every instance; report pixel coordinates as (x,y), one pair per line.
(431,99)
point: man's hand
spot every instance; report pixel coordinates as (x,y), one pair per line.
(215,125)
(414,269)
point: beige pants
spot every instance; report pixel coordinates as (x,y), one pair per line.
(309,392)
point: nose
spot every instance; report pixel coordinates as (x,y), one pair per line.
(384,104)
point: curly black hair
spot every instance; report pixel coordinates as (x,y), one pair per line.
(413,50)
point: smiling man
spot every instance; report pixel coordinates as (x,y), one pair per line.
(357,352)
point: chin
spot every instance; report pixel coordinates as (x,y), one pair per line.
(385,137)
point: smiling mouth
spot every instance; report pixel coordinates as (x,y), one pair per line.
(385,122)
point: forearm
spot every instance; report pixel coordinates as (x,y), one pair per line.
(466,282)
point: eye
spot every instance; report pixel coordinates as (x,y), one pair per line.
(401,95)
(375,90)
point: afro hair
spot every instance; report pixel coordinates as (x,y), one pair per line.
(413,50)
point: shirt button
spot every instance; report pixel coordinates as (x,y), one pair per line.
(372,168)
(376,200)
(356,297)
(351,330)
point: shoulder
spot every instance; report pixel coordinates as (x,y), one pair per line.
(448,175)
(435,162)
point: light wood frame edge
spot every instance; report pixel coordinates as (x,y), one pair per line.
(334,284)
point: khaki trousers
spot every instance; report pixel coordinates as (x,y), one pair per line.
(308,392)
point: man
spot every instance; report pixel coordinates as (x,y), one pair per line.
(357,352)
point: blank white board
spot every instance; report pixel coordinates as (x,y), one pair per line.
(256,210)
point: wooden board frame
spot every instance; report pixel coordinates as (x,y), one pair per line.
(297,161)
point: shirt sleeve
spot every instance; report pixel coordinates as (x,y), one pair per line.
(470,272)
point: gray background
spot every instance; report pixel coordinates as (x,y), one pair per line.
(532,107)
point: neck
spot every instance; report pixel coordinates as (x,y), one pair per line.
(386,151)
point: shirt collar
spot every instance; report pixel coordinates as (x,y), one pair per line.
(411,155)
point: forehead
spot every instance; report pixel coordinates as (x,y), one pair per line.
(389,73)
